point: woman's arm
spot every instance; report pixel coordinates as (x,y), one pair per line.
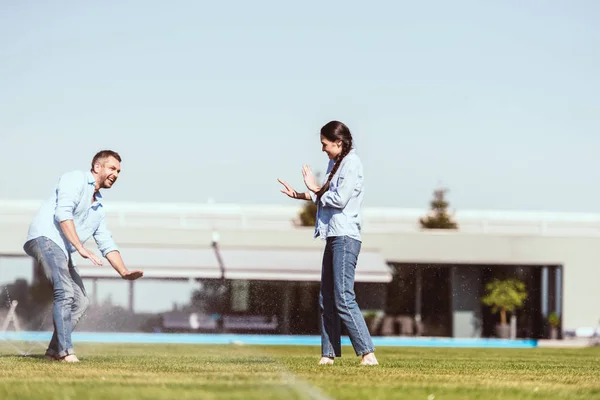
(340,196)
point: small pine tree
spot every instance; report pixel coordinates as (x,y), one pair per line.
(438,217)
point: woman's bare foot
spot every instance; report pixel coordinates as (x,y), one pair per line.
(70,358)
(326,361)
(369,359)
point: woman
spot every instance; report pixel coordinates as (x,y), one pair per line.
(338,222)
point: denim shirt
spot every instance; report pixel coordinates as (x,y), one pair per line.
(339,209)
(72,199)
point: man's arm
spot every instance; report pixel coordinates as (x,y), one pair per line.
(68,228)
(109,249)
(114,258)
(69,190)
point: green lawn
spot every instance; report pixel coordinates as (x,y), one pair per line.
(289,372)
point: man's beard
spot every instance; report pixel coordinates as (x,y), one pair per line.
(106,185)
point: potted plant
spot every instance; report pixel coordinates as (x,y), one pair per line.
(554,322)
(504,296)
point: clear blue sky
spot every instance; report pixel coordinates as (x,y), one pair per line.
(500,101)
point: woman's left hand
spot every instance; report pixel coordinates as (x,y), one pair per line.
(309,179)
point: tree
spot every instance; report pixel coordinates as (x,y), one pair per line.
(33,301)
(308,213)
(212,297)
(505,296)
(438,217)
(18,290)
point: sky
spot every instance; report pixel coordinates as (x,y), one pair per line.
(497,101)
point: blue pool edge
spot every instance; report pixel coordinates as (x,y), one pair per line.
(250,339)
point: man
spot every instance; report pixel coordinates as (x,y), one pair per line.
(64,222)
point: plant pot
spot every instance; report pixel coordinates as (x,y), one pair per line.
(503,331)
(554,333)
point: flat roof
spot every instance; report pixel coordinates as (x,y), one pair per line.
(238,263)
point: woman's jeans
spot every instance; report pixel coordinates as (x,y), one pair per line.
(337,299)
(70,299)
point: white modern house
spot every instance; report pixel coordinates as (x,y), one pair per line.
(434,277)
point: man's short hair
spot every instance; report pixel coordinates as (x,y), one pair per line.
(105,154)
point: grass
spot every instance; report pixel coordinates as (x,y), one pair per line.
(289,372)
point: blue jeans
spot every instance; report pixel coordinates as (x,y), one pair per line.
(337,300)
(70,299)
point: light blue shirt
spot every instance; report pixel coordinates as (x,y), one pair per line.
(72,199)
(339,209)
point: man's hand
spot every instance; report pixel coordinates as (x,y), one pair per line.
(132,275)
(68,228)
(85,253)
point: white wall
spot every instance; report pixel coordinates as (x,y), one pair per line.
(571,240)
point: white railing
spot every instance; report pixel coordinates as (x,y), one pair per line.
(276,217)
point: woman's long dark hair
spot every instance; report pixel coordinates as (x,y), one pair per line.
(334,131)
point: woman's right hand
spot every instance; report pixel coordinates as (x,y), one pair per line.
(289,190)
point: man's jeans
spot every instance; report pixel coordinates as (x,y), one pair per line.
(337,299)
(70,299)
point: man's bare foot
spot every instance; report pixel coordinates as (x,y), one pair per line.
(50,358)
(70,358)
(369,359)
(326,361)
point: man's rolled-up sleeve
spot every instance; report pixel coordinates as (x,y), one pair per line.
(69,191)
(104,240)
